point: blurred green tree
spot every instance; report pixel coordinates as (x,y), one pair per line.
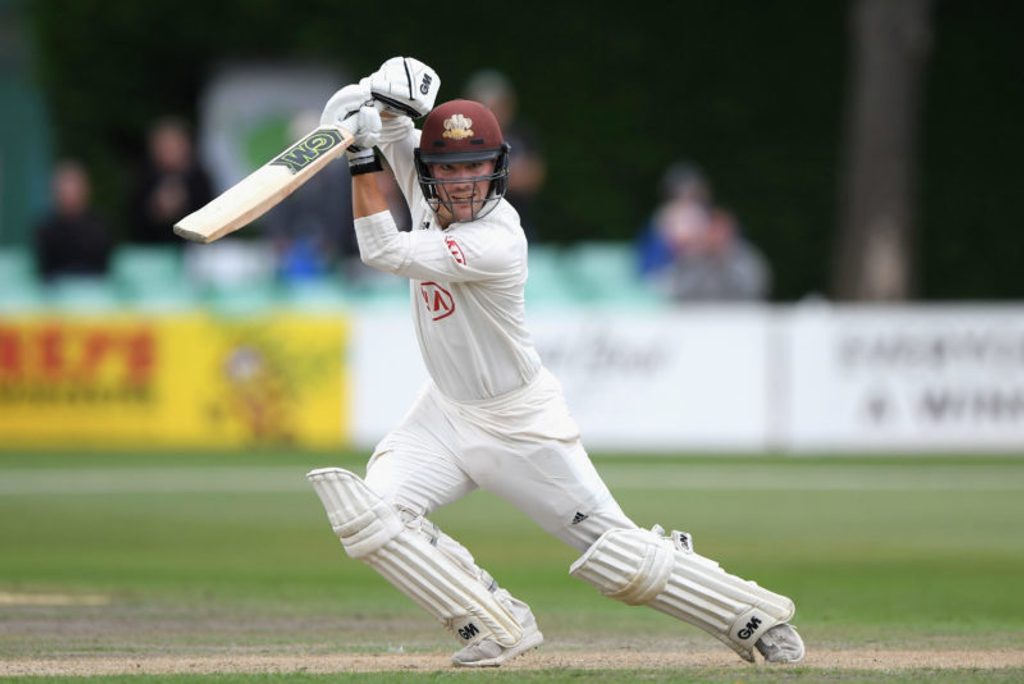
(753,91)
(889,47)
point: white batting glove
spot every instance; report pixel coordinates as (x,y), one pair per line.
(353,110)
(404,86)
(365,126)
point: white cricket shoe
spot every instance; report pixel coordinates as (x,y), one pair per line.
(781,644)
(489,653)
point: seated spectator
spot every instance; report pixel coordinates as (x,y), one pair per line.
(71,240)
(172,185)
(311,229)
(527,167)
(716,263)
(685,199)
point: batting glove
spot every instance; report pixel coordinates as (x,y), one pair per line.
(404,86)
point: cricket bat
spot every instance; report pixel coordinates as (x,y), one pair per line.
(265,187)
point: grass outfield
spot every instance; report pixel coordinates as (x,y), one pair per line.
(114,557)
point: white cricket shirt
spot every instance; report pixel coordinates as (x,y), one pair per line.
(466,283)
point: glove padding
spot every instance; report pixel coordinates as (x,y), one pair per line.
(404,86)
(352,109)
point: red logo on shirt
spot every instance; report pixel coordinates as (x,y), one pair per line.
(455,250)
(438,300)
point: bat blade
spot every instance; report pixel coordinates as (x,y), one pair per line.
(265,187)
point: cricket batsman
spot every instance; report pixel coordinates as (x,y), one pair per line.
(491,416)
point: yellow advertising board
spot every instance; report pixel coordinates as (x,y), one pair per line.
(190,380)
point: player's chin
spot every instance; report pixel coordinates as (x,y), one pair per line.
(464,214)
(466,211)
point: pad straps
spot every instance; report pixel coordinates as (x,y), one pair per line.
(640,567)
(371,530)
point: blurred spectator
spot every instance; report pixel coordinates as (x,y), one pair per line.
(172,185)
(72,240)
(715,263)
(527,168)
(311,230)
(694,251)
(686,198)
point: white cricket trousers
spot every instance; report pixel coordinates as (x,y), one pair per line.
(522,446)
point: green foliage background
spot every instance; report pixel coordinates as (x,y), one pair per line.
(753,91)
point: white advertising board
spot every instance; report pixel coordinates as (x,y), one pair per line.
(905,378)
(805,378)
(387,372)
(633,381)
(662,380)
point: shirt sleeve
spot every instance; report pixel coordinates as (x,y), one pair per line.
(481,250)
(399,138)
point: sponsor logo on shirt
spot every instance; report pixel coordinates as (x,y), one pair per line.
(455,251)
(439,301)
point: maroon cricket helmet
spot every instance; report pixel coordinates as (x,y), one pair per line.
(462,131)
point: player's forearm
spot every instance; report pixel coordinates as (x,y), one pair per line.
(398,140)
(376,232)
(380,244)
(367,199)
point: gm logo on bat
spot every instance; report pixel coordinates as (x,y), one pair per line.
(309,149)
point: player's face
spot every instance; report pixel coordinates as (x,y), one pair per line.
(462,188)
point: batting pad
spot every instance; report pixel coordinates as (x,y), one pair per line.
(640,567)
(372,530)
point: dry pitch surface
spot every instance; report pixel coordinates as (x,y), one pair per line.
(87,636)
(544,659)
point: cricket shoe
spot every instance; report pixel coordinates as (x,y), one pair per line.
(781,644)
(489,653)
